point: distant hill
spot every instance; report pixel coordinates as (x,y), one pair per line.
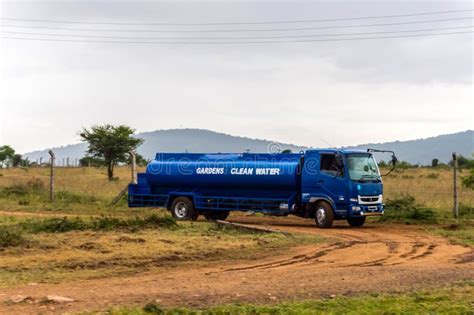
(176,140)
(198,140)
(422,151)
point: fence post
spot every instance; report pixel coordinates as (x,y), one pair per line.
(455,185)
(134,167)
(133,181)
(51,177)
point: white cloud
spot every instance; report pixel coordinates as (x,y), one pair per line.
(312,94)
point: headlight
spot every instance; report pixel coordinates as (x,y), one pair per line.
(355,208)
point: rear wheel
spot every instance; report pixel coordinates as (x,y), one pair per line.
(183,209)
(216,215)
(324,215)
(356,222)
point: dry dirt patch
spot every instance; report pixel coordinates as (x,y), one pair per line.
(376,258)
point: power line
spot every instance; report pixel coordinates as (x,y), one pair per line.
(243,23)
(237,38)
(234,42)
(238,31)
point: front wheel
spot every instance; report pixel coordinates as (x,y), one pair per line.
(183,209)
(324,216)
(356,222)
(216,215)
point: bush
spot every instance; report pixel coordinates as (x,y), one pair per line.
(10,237)
(466,211)
(153,308)
(405,209)
(34,186)
(432,176)
(468,181)
(104,223)
(70,197)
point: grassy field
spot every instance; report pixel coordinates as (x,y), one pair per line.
(458,299)
(430,186)
(87,190)
(38,244)
(55,249)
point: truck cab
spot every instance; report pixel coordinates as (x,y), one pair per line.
(341,185)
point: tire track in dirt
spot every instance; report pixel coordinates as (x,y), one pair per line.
(375,258)
(367,246)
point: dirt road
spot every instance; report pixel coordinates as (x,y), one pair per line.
(376,258)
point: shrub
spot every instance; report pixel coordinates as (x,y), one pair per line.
(104,223)
(34,186)
(10,237)
(70,197)
(405,209)
(432,176)
(468,181)
(153,308)
(466,211)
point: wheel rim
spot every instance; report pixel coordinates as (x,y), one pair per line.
(181,210)
(321,215)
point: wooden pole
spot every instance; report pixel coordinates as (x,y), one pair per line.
(455,186)
(51,177)
(133,180)
(134,167)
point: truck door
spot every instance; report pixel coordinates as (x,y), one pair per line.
(332,179)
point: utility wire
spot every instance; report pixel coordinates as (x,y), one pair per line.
(243,23)
(235,42)
(237,38)
(239,31)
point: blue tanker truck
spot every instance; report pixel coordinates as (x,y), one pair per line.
(326,185)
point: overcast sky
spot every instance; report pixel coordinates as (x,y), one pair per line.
(312,93)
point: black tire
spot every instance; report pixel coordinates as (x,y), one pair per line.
(182,209)
(356,222)
(216,215)
(323,215)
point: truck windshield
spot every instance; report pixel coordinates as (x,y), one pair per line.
(362,167)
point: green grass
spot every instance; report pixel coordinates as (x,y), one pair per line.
(454,300)
(60,257)
(459,233)
(405,209)
(11,237)
(104,223)
(10,226)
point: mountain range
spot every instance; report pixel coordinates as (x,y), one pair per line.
(419,151)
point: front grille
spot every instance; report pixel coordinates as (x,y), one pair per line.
(370,200)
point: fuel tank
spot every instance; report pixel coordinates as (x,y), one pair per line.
(224,170)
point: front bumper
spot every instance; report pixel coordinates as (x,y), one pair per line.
(367,210)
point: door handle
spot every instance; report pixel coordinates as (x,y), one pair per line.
(320,181)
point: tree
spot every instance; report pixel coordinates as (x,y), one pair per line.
(139,159)
(16,160)
(90,161)
(6,154)
(434,162)
(463,162)
(110,143)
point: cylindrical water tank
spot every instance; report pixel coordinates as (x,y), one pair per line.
(246,171)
